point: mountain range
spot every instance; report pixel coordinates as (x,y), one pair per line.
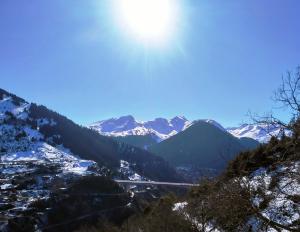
(161,129)
(33,132)
(195,148)
(260,131)
(202,146)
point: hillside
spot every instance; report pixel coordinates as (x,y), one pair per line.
(203,145)
(141,141)
(59,131)
(48,164)
(258,192)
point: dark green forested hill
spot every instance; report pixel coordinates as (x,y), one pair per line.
(249,143)
(141,141)
(202,145)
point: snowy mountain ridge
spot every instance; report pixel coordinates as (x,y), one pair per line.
(260,132)
(162,128)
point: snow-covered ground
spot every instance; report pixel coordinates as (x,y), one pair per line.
(44,153)
(126,170)
(21,143)
(273,192)
(281,208)
(7,105)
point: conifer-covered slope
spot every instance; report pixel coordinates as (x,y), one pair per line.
(53,171)
(259,191)
(57,130)
(141,141)
(203,145)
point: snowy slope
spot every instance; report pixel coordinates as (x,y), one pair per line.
(273,195)
(43,153)
(7,105)
(259,132)
(280,186)
(21,143)
(30,163)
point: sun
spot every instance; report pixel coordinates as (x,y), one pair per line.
(147,20)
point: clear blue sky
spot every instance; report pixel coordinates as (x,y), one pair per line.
(226,58)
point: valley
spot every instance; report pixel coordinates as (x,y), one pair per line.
(149,116)
(43,166)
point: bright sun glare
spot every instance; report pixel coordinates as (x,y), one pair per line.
(152,21)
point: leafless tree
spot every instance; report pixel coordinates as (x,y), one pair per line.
(287,97)
(288,94)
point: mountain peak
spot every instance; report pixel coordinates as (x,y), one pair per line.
(215,123)
(179,118)
(161,127)
(128,117)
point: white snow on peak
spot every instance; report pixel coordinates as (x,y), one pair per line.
(260,132)
(160,128)
(215,123)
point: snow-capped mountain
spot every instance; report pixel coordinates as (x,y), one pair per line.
(259,132)
(160,128)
